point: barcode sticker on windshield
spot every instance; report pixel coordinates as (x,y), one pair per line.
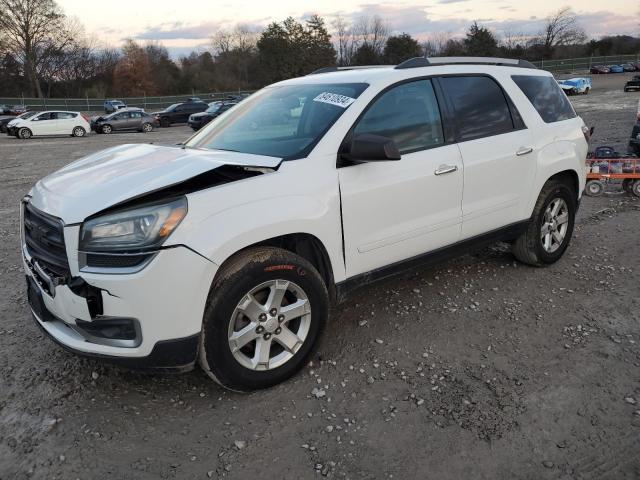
(334,99)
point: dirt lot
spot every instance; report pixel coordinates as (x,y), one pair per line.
(480,368)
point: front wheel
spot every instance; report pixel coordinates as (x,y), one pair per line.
(106,129)
(635,188)
(164,122)
(265,313)
(594,188)
(550,228)
(24,133)
(79,132)
(147,127)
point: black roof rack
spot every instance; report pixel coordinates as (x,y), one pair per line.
(418,62)
(340,69)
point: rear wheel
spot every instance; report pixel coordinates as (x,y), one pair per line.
(586,91)
(549,231)
(627,184)
(594,188)
(79,132)
(106,129)
(635,188)
(265,313)
(147,127)
(24,133)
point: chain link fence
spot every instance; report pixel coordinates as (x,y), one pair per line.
(97,104)
(584,64)
(565,66)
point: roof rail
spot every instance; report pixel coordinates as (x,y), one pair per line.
(339,69)
(417,62)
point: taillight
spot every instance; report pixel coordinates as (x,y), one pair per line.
(587,132)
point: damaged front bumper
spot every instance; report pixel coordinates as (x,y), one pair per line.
(150,318)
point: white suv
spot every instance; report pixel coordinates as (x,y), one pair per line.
(228,249)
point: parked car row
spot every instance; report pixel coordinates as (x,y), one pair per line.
(624,67)
(194,111)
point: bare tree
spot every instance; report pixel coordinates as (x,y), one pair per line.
(242,39)
(32,31)
(371,32)
(561,28)
(346,41)
(435,44)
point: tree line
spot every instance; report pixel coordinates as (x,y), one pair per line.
(44,53)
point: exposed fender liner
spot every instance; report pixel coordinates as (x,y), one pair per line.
(211,178)
(509,232)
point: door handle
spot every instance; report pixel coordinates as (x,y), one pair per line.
(442,169)
(524,151)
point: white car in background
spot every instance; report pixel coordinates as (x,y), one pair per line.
(51,123)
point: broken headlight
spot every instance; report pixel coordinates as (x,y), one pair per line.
(134,229)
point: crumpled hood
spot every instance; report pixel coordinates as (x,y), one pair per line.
(112,176)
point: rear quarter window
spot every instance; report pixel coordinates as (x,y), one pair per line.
(546,96)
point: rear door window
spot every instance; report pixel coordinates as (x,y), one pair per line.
(546,96)
(480,106)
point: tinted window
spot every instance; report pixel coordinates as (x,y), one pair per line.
(136,115)
(546,97)
(408,114)
(481,108)
(65,115)
(43,116)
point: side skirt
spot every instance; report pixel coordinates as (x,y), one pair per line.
(510,232)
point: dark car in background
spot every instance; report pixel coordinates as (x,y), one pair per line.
(111,106)
(5,110)
(598,69)
(179,112)
(628,67)
(127,119)
(633,84)
(4,119)
(199,120)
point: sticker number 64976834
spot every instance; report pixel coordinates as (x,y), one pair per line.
(334,99)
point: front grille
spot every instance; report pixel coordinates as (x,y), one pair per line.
(44,239)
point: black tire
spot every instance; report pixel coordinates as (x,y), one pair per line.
(594,188)
(528,248)
(106,129)
(635,188)
(78,132)
(237,278)
(627,185)
(165,122)
(586,91)
(24,133)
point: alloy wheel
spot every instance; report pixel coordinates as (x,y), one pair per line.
(554,225)
(269,325)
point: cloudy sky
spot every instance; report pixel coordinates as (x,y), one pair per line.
(187,24)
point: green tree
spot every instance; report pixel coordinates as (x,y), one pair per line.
(400,48)
(290,49)
(366,55)
(480,42)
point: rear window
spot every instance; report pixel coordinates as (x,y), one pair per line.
(546,96)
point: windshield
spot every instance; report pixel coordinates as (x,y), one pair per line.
(171,108)
(27,115)
(283,121)
(213,108)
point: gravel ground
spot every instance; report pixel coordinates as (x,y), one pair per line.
(479,368)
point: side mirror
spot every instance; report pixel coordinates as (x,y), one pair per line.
(372,148)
